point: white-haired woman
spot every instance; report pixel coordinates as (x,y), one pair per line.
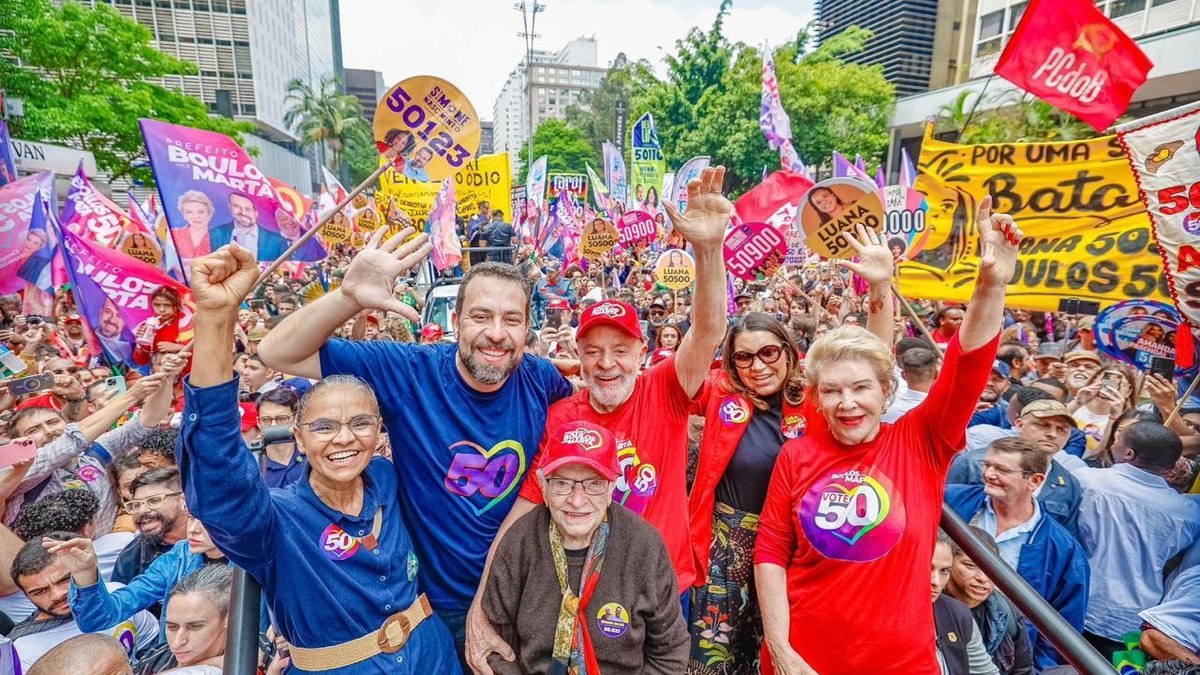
(853,506)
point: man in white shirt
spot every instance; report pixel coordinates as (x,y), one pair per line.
(919,368)
(72,511)
(46,582)
(1131,523)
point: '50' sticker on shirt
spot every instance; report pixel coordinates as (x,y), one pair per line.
(853,515)
(336,544)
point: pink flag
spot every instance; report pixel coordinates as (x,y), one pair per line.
(447,250)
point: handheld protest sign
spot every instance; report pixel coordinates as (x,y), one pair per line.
(141,246)
(904,231)
(599,237)
(836,206)
(637,228)
(754,250)
(430,125)
(675,269)
(1135,331)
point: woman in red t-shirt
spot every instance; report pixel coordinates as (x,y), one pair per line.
(853,507)
(751,406)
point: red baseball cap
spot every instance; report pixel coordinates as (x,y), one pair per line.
(585,444)
(611,313)
(249,416)
(431,331)
(559,304)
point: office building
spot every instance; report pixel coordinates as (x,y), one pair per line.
(558,80)
(246,54)
(1166,30)
(368,87)
(903,41)
(487,138)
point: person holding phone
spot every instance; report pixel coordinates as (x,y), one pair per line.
(1109,393)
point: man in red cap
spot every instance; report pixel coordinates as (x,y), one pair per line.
(598,592)
(648,413)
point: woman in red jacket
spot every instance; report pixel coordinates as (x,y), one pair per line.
(853,506)
(752,405)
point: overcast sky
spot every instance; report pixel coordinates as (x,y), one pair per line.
(474,43)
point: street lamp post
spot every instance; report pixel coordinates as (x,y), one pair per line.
(529,14)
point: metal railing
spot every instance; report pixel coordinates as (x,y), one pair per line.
(1061,634)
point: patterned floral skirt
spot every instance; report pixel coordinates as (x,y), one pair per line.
(724,620)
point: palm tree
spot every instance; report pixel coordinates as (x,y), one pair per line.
(325,117)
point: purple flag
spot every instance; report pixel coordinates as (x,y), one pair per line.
(8,170)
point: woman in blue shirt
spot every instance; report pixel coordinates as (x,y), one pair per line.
(332,552)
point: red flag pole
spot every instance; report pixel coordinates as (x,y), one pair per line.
(971,112)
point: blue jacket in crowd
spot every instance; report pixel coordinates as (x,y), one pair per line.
(1060,493)
(96,608)
(1052,562)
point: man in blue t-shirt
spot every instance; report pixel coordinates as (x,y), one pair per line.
(464,419)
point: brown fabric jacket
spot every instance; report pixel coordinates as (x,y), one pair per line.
(522,598)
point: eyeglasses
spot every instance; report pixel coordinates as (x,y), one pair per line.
(1002,471)
(275,421)
(565,486)
(768,354)
(136,505)
(360,425)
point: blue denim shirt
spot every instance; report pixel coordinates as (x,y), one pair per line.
(322,585)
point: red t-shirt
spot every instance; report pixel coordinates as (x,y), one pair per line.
(651,430)
(854,527)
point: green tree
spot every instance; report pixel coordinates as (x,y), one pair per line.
(86,75)
(566,148)
(597,114)
(361,158)
(325,117)
(1009,117)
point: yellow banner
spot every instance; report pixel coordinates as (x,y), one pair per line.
(1087,234)
(485,179)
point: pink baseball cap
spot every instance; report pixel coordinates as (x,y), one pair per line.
(584,444)
(611,313)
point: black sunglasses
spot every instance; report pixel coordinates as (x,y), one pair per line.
(768,354)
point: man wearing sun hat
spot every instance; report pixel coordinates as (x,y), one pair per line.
(580,582)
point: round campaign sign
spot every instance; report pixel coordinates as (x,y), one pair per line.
(754,250)
(1114,337)
(904,231)
(675,269)
(599,237)
(337,230)
(141,246)
(637,228)
(1138,339)
(836,206)
(430,126)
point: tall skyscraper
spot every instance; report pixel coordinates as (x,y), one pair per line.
(904,36)
(559,80)
(247,53)
(368,87)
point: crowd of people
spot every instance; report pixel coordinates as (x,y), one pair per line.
(587,472)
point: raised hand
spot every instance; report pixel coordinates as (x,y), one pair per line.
(77,555)
(221,279)
(708,211)
(999,242)
(146,386)
(372,273)
(875,262)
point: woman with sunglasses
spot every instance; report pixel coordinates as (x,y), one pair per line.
(852,509)
(331,551)
(751,406)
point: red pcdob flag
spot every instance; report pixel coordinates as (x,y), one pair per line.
(1067,53)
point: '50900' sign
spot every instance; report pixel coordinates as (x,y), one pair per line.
(754,250)
(430,125)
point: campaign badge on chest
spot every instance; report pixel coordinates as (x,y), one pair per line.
(734,410)
(337,544)
(613,620)
(794,425)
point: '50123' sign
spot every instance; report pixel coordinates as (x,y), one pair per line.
(430,125)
